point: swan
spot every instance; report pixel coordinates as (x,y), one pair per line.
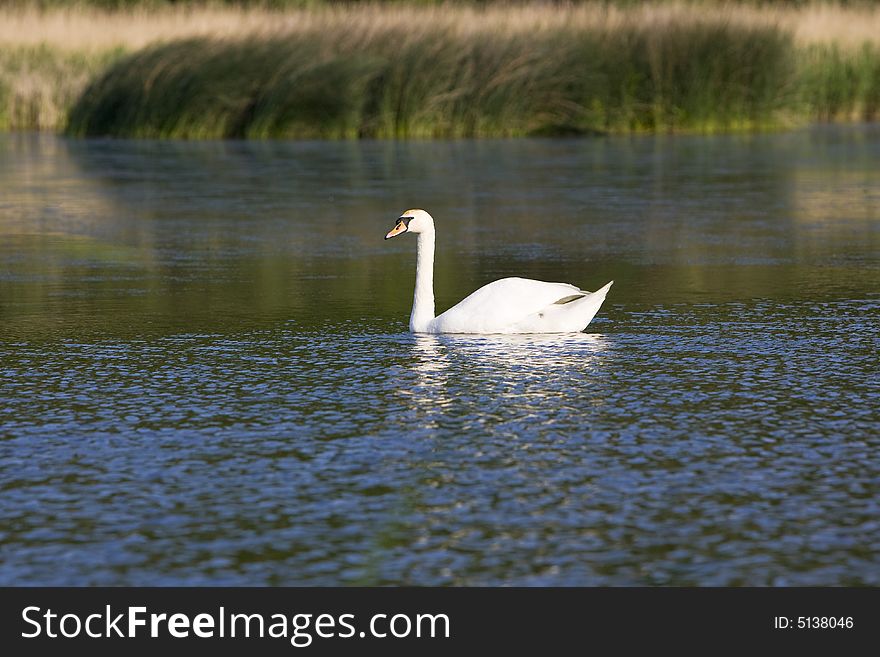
(508,305)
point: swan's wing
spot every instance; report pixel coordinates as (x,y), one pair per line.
(570,316)
(496,307)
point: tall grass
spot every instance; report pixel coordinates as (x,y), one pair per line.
(839,84)
(441,82)
(404,71)
(39,84)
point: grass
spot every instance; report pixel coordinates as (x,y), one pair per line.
(839,84)
(442,82)
(436,71)
(39,84)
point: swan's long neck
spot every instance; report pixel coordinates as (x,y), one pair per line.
(423,299)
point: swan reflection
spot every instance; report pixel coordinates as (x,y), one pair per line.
(505,375)
(506,352)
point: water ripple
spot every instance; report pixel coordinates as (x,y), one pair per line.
(373,457)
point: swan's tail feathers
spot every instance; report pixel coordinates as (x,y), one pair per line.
(570,314)
(588,307)
(602,290)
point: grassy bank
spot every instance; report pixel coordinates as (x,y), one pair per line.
(443,71)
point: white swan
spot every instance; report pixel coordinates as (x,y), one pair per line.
(508,305)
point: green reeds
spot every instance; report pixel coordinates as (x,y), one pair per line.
(837,84)
(704,75)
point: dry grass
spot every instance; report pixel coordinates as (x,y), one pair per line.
(88,29)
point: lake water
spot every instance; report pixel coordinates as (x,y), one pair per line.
(206,375)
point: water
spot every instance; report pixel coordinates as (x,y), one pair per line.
(206,377)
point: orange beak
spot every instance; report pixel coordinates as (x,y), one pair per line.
(399,227)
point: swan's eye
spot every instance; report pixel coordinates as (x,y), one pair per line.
(405,220)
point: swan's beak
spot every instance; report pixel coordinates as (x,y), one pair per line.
(399,227)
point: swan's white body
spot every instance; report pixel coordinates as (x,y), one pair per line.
(519,305)
(508,305)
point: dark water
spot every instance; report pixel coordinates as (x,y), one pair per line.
(206,378)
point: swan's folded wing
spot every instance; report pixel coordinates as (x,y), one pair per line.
(496,307)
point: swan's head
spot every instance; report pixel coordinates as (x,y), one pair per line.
(412,221)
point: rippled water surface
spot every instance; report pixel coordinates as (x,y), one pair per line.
(205,374)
